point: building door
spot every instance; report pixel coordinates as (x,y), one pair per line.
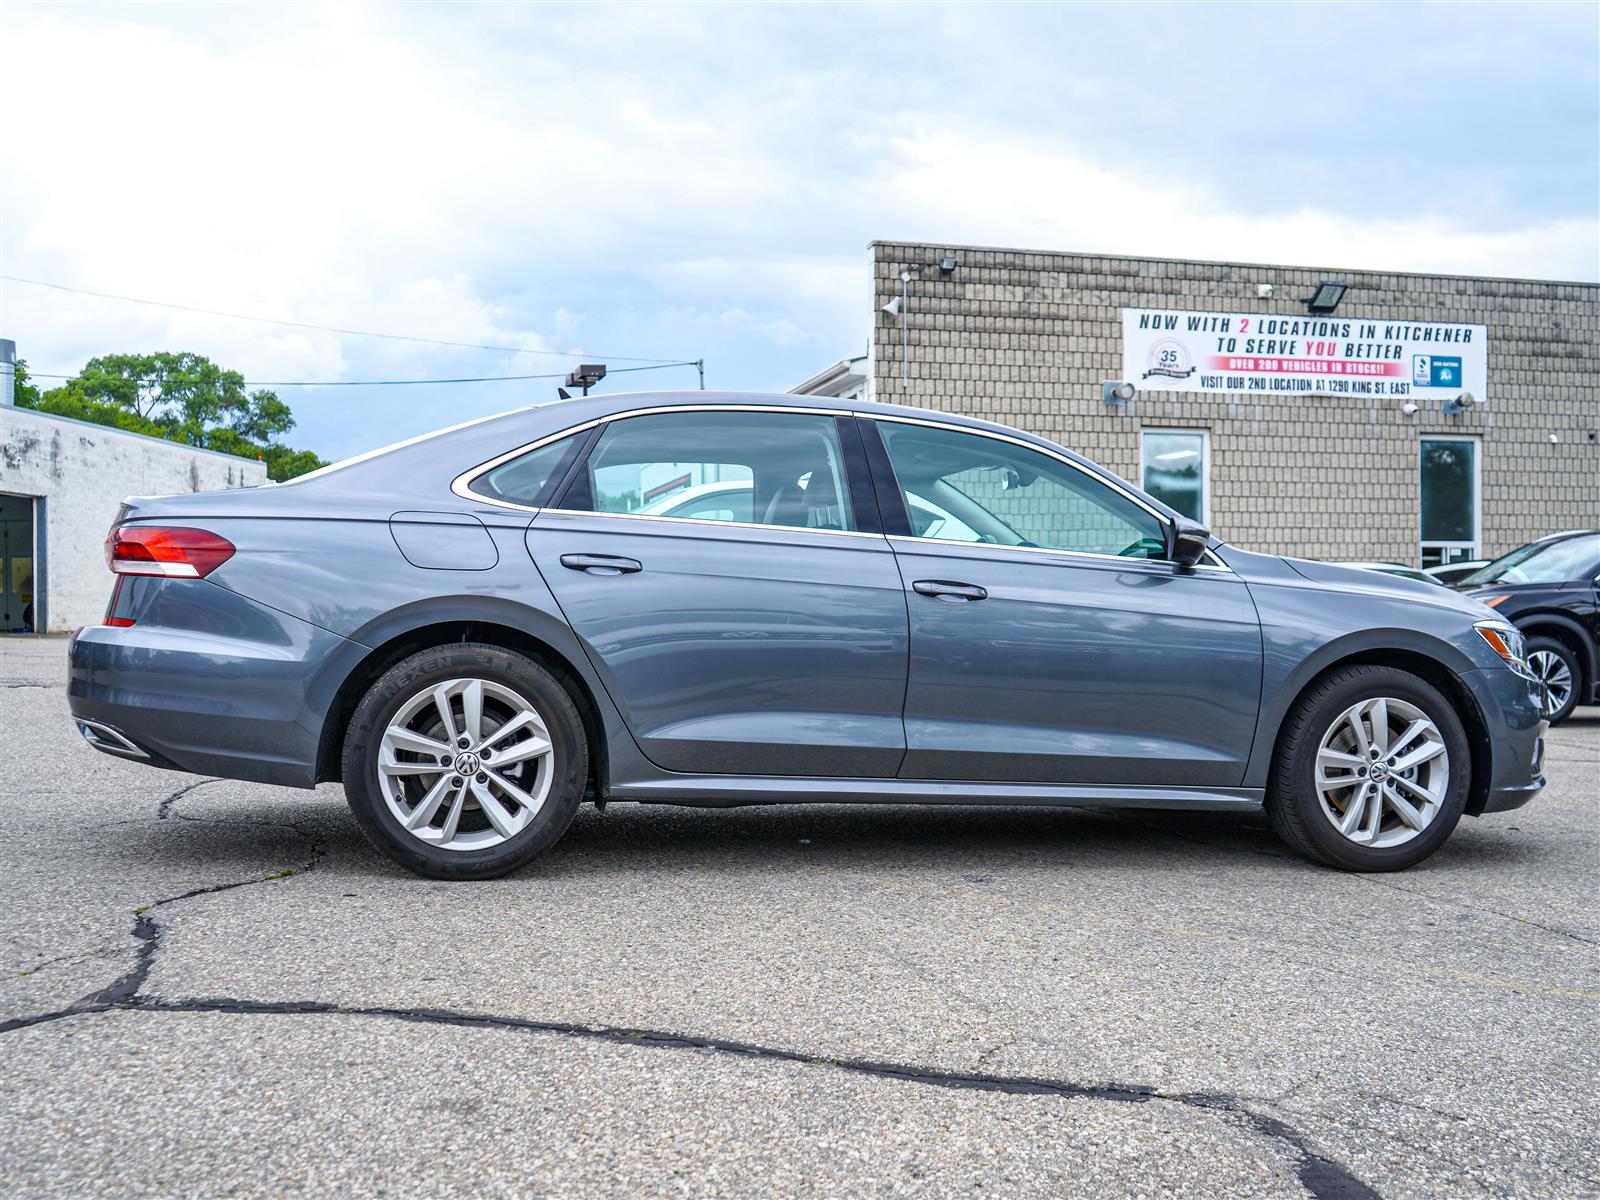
(1449,483)
(16,565)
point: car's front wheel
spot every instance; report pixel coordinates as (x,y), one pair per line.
(1372,771)
(465,761)
(1557,666)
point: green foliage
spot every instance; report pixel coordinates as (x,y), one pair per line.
(181,397)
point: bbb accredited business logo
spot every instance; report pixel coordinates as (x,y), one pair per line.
(1435,370)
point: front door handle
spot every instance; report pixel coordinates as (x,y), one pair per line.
(948,590)
(601,564)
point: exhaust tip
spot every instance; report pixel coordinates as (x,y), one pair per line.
(104,737)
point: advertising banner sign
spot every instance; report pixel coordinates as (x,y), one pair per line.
(1175,350)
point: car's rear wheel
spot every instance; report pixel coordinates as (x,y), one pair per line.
(465,761)
(1557,666)
(1372,771)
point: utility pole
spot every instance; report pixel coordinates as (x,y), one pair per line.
(700,365)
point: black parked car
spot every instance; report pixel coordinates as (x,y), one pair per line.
(1550,589)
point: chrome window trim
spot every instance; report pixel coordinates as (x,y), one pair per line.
(1162,518)
(461,484)
(913,541)
(707,523)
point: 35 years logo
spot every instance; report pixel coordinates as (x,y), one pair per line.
(1169,359)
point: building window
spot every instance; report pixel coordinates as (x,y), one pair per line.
(1175,468)
(1449,482)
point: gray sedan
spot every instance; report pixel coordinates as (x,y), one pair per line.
(479,630)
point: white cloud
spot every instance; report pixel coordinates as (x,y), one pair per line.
(512,177)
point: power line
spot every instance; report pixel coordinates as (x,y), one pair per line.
(160,379)
(393,337)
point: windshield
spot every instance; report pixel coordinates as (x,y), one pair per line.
(1542,562)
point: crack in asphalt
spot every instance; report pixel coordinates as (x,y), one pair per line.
(1322,1177)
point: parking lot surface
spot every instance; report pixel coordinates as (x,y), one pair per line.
(215,988)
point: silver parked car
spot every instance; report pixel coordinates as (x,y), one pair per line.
(716,599)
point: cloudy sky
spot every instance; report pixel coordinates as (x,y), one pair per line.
(664,182)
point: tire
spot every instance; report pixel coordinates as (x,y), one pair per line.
(490,814)
(1305,813)
(1552,660)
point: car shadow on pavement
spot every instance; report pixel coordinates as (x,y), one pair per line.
(316,831)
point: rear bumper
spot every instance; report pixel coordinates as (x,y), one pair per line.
(247,703)
(1515,725)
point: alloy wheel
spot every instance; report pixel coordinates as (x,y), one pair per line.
(465,764)
(1552,671)
(1382,772)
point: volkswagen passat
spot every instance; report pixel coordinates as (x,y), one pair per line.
(727,599)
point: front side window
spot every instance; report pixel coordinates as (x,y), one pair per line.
(999,493)
(1173,465)
(782,469)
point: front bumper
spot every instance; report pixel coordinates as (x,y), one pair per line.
(1513,716)
(244,698)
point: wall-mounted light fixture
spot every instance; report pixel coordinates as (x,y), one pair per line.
(1459,404)
(893,307)
(948,264)
(1327,296)
(1116,393)
(1263,291)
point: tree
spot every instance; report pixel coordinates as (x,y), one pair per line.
(181,397)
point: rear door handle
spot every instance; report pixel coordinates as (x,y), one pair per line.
(948,590)
(601,564)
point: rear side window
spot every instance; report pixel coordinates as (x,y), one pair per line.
(529,478)
(757,468)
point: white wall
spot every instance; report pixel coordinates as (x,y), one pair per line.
(83,471)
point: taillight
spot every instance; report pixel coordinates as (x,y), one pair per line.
(166,550)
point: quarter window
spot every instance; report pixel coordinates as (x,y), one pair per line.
(998,493)
(785,469)
(529,478)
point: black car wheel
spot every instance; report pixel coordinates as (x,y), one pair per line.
(465,762)
(1372,771)
(1557,666)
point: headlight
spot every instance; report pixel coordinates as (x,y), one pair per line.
(1506,641)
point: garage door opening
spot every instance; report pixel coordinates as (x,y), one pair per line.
(19,602)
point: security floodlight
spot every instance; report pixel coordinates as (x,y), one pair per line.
(1327,296)
(893,307)
(586,376)
(948,264)
(1263,291)
(1410,409)
(1116,393)
(1455,404)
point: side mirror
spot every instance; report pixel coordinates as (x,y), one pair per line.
(1187,541)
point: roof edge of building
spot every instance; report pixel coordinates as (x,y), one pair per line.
(133,433)
(1228,262)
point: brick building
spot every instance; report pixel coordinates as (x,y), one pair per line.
(1421,418)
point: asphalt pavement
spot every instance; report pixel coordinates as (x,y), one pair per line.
(213,988)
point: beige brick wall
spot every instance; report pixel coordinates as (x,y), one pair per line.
(1027,338)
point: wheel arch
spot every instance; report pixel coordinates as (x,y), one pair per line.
(399,635)
(1436,663)
(1544,623)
